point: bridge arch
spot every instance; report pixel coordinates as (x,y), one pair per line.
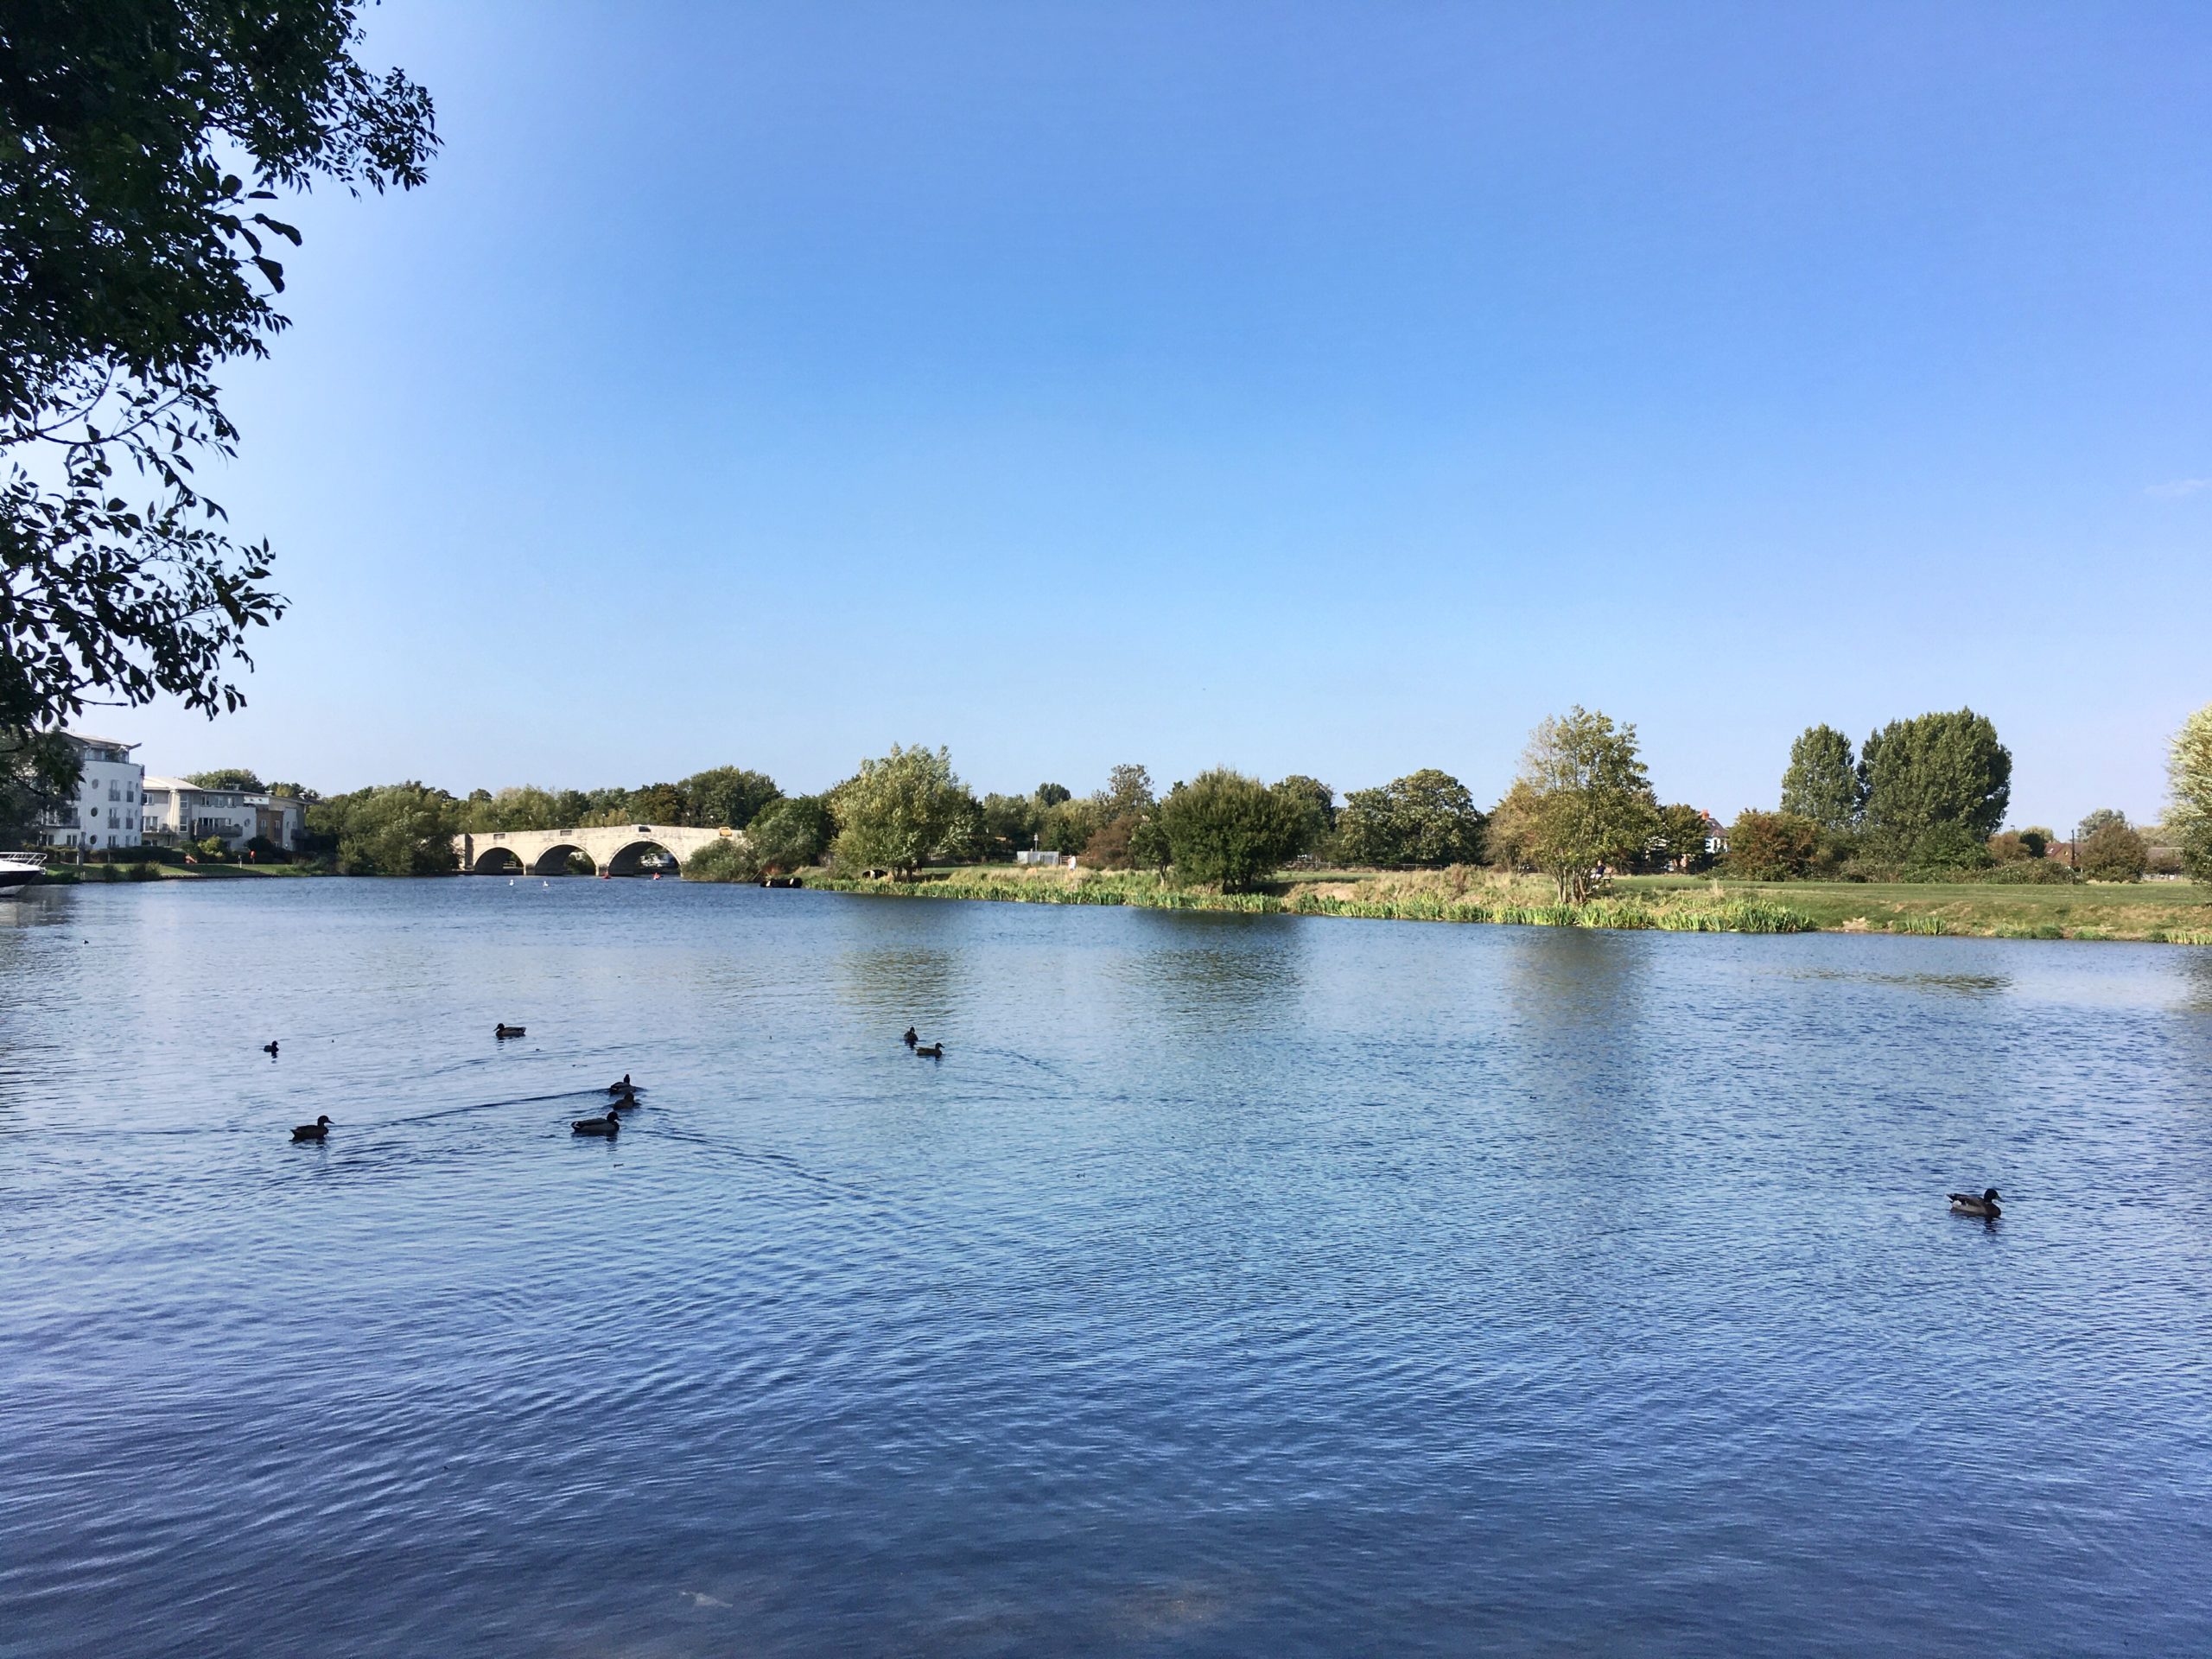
(637,858)
(498,861)
(553,861)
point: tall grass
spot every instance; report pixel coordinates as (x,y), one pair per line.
(1397,901)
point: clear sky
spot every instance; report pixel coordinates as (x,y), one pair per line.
(1335,389)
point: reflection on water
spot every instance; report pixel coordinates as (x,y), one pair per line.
(1963,984)
(1234,1284)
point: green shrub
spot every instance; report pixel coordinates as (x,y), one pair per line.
(1772,847)
(723,860)
(2115,852)
(1944,851)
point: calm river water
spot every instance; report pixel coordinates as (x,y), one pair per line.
(1234,1284)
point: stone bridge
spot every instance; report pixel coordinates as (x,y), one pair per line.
(614,849)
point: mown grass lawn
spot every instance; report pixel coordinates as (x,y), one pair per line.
(2177,911)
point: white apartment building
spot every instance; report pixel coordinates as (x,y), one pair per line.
(179,810)
(107,809)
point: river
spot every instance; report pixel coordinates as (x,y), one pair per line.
(1233,1285)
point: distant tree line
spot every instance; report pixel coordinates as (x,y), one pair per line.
(1920,798)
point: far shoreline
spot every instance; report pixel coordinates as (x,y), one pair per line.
(2162,913)
(2142,913)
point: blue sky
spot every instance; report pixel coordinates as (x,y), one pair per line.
(1329,389)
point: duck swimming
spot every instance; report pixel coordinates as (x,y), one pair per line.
(934,1051)
(504,1031)
(1964,1203)
(625,1087)
(624,1103)
(318,1130)
(609,1125)
(270,1049)
(911,1039)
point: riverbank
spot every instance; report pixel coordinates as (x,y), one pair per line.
(103,875)
(2165,913)
(1382,900)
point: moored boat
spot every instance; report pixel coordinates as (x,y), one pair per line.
(16,871)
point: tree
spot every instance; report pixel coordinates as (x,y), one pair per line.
(1109,847)
(38,771)
(725,796)
(896,812)
(1593,805)
(1149,848)
(2101,818)
(1511,834)
(1683,835)
(1822,782)
(2113,851)
(651,804)
(2189,775)
(1011,822)
(1067,826)
(1226,830)
(133,264)
(1773,846)
(238,777)
(1129,789)
(1320,802)
(1427,817)
(1925,774)
(1116,812)
(790,833)
(392,829)
(1053,794)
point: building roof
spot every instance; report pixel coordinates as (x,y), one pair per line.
(88,739)
(254,797)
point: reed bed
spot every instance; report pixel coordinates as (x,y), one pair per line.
(1411,900)
(1464,893)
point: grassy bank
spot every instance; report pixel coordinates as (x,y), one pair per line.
(2157,913)
(1435,899)
(2178,913)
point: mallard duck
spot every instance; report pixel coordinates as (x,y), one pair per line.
(625,1087)
(270,1049)
(504,1031)
(315,1131)
(911,1039)
(624,1103)
(609,1125)
(1964,1203)
(934,1051)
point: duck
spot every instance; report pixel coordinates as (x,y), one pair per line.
(934,1051)
(624,1103)
(504,1030)
(1964,1203)
(609,1125)
(270,1049)
(911,1039)
(625,1087)
(318,1130)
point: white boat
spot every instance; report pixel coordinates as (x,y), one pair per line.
(16,870)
